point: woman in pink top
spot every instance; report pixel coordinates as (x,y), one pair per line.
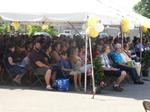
(88,66)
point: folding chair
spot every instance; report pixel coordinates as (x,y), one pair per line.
(8,72)
(2,73)
(146,105)
(38,78)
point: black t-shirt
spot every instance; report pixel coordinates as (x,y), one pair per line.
(20,56)
(13,56)
(48,57)
(36,56)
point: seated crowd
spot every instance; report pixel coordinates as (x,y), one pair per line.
(65,57)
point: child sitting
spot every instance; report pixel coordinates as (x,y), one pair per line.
(65,64)
(76,65)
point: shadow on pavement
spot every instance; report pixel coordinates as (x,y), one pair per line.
(138,92)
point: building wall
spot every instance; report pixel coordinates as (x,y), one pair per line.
(113,31)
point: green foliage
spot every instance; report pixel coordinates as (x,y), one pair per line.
(146,60)
(147,35)
(143,8)
(51,31)
(4,27)
(31,29)
(98,71)
(1,28)
(35,28)
(22,30)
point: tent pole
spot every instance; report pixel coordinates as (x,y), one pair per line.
(74,28)
(141,35)
(93,80)
(86,49)
(122,35)
(60,29)
(85,76)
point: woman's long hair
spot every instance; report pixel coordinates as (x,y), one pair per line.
(72,56)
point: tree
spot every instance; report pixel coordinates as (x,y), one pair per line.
(143,8)
(98,71)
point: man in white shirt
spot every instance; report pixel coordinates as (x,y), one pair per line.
(109,70)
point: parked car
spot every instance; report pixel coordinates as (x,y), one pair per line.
(41,33)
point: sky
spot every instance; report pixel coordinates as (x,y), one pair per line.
(125,4)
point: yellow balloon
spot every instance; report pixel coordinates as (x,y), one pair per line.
(92,32)
(144,27)
(124,22)
(125,29)
(92,21)
(15,24)
(45,27)
(29,28)
(8,28)
(125,26)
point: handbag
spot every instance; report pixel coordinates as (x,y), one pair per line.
(62,84)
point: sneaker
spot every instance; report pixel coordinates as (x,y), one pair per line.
(118,89)
(17,82)
(138,82)
(48,87)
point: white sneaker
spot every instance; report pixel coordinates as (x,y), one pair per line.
(48,87)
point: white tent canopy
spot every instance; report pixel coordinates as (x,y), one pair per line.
(61,10)
(66,10)
(140,19)
(20,17)
(134,18)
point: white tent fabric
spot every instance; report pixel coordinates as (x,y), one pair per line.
(61,10)
(66,10)
(20,17)
(134,18)
(140,19)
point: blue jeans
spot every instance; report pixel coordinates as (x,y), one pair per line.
(132,71)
